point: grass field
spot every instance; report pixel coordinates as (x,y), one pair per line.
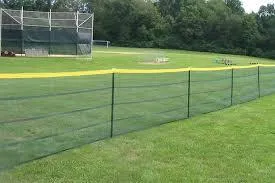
(232,145)
(40,117)
(114,58)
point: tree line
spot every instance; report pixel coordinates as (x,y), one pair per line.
(215,25)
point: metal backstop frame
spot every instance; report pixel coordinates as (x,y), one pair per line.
(34,33)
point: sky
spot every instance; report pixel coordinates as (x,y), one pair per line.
(254,5)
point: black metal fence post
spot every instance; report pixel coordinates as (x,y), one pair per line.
(189,93)
(232,85)
(259,86)
(113,101)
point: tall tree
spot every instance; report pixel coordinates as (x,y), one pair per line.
(235,6)
(206,25)
(170,7)
(250,33)
(266,22)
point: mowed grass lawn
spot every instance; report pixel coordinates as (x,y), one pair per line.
(122,58)
(40,117)
(232,145)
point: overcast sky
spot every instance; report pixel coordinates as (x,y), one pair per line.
(254,5)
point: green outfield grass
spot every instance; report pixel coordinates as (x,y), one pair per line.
(130,60)
(232,145)
(40,117)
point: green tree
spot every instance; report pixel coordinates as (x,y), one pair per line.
(170,7)
(266,23)
(190,22)
(212,25)
(235,6)
(137,23)
(250,33)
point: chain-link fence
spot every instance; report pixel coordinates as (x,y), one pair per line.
(34,33)
(44,114)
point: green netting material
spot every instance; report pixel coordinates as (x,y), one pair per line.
(58,41)
(35,33)
(50,115)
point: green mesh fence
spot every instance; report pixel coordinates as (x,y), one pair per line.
(142,101)
(11,40)
(209,91)
(36,33)
(55,42)
(245,85)
(267,81)
(40,117)
(58,41)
